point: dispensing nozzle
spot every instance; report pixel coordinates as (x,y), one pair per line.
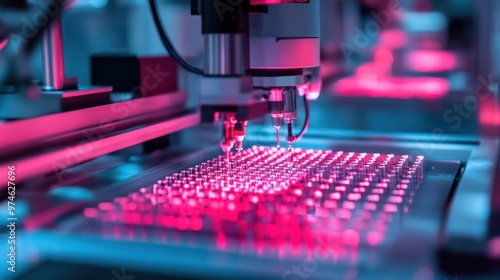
(277,126)
(290,111)
(277,106)
(228,135)
(239,134)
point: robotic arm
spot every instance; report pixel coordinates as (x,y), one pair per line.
(271,43)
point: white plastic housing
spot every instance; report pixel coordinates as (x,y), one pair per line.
(286,37)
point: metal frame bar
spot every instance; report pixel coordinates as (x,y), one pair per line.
(57,160)
(466,227)
(20,135)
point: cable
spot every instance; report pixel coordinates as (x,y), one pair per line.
(307,120)
(168,44)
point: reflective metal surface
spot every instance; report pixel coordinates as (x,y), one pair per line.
(42,129)
(53,59)
(226,54)
(58,160)
(224,258)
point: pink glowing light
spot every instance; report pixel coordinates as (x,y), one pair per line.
(489,113)
(90,212)
(391,208)
(402,186)
(106,206)
(340,188)
(266,2)
(350,237)
(378,191)
(313,95)
(321,212)
(370,206)
(221,241)
(147,219)
(3,43)
(381,185)
(318,194)
(398,192)
(392,87)
(431,61)
(256,197)
(374,238)
(494,247)
(330,204)
(392,39)
(364,184)
(348,205)
(354,196)
(132,218)
(167,221)
(383,58)
(395,199)
(181,223)
(344,214)
(309,202)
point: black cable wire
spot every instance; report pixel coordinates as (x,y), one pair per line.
(168,44)
(307,119)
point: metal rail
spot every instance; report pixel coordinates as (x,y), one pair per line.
(18,136)
(57,160)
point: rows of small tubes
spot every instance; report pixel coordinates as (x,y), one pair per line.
(266,193)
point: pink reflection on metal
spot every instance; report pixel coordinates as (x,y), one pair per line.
(90,212)
(3,43)
(383,57)
(270,2)
(261,197)
(494,247)
(374,238)
(431,61)
(489,113)
(350,237)
(392,87)
(392,39)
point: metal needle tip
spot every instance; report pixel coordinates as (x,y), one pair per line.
(277,136)
(290,150)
